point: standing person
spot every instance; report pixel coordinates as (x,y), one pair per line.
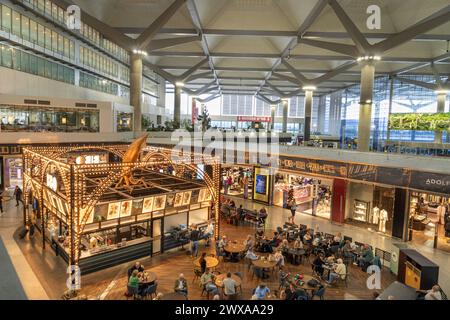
(18,194)
(245,183)
(1,202)
(209,232)
(203,262)
(293,208)
(225,186)
(194,241)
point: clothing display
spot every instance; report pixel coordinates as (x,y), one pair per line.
(375,215)
(383,219)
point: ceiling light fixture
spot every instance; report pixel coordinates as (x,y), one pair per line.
(442,91)
(368,58)
(179,84)
(309,88)
(140,52)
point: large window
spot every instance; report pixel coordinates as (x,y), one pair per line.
(237,105)
(38,119)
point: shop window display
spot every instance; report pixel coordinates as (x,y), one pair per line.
(371,207)
(237,181)
(429,220)
(312,195)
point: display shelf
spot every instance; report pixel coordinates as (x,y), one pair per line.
(360,210)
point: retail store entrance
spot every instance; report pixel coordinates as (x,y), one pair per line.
(237,181)
(429,221)
(12,172)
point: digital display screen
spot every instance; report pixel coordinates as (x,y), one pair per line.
(261,183)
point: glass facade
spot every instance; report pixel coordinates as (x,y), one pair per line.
(15,118)
(124,122)
(96,83)
(93,59)
(21,26)
(59,15)
(23,61)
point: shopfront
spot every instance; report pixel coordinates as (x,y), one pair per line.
(99,214)
(237,181)
(370,206)
(311,194)
(428,214)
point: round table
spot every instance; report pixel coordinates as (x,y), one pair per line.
(173,296)
(234,248)
(151,278)
(305,285)
(265,264)
(211,262)
(219,279)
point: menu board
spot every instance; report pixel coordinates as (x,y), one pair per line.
(147,206)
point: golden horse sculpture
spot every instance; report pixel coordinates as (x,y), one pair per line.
(132,155)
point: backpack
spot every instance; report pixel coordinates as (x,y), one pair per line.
(313,283)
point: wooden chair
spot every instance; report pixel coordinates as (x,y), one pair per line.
(150,291)
(197,275)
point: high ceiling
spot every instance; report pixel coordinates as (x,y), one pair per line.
(274,47)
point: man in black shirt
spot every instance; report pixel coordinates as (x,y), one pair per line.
(195,234)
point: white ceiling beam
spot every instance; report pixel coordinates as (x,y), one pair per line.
(436,74)
(208,99)
(286,78)
(333,73)
(275,89)
(349,50)
(147,36)
(172,42)
(190,71)
(411,32)
(357,37)
(283,34)
(430,86)
(297,74)
(203,75)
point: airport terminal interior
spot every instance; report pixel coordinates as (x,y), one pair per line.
(224,149)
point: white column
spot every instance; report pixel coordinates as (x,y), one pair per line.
(441,97)
(284,103)
(177,105)
(308,112)
(272,114)
(136,89)
(365,106)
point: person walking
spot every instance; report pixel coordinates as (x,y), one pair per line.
(18,194)
(194,237)
(1,202)
(293,208)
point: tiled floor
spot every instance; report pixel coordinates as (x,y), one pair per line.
(43,275)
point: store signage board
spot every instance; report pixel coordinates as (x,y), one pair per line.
(254,119)
(400,177)
(430,181)
(323,167)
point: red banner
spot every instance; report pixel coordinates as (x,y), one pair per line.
(254,119)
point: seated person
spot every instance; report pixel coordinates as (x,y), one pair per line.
(137,266)
(318,264)
(298,244)
(251,255)
(292,293)
(181,285)
(279,258)
(433,294)
(337,239)
(261,292)
(307,239)
(330,260)
(265,245)
(248,243)
(284,246)
(240,212)
(134,281)
(339,270)
(207,281)
(366,256)
(275,241)
(229,285)
(222,243)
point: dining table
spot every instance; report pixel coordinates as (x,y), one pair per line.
(218,280)
(211,262)
(173,296)
(234,249)
(304,282)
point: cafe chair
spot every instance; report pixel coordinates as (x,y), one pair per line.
(197,275)
(150,291)
(132,292)
(319,293)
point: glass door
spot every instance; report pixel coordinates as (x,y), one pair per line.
(157,235)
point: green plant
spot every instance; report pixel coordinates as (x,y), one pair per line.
(420,121)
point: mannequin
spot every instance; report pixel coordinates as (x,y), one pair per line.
(441,213)
(375,215)
(383,219)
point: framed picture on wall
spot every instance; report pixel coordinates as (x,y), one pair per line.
(89,218)
(178,199)
(201,195)
(159,203)
(147,206)
(187,198)
(194,196)
(125,208)
(170,199)
(113,210)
